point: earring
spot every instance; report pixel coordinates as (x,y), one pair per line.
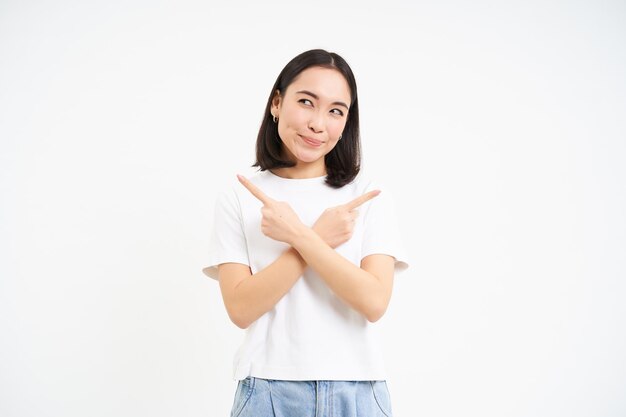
(274,119)
(340,137)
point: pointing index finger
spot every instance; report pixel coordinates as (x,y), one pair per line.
(254,190)
(362,199)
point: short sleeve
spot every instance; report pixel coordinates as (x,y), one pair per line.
(381,233)
(228,241)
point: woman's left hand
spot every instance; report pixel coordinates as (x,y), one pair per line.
(279,221)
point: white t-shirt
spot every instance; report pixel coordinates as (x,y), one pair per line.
(310,334)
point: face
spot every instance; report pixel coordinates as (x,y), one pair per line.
(312,114)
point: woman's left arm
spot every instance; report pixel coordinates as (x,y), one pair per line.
(367,288)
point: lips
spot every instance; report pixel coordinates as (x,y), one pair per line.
(312,142)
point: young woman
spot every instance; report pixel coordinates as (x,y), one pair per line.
(305,253)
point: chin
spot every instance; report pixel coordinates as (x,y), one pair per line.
(309,157)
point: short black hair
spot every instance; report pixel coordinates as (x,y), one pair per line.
(344,161)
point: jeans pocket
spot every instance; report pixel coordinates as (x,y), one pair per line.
(242,395)
(381,394)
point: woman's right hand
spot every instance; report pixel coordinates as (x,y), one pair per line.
(336,224)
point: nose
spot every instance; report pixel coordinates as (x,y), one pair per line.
(316,123)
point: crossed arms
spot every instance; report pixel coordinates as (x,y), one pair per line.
(367,289)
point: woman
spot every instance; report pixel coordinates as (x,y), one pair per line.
(301,268)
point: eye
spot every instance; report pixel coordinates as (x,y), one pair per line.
(337,112)
(305,101)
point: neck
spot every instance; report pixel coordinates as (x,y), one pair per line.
(301,171)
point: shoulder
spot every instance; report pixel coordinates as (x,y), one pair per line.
(366,181)
(228,191)
(230,185)
(383,204)
(261,178)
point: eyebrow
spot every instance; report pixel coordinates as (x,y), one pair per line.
(337,103)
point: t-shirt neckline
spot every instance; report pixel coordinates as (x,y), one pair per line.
(297,180)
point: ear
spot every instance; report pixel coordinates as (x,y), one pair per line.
(276,102)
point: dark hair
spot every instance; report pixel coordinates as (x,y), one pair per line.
(344,161)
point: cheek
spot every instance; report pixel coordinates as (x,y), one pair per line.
(283,134)
(286,124)
(294,117)
(335,129)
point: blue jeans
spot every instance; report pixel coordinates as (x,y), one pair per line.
(257,397)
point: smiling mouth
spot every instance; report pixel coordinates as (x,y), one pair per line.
(311,141)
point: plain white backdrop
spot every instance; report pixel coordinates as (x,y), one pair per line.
(499,125)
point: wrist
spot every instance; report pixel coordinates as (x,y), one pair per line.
(302,234)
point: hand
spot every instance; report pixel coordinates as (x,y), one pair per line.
(279,221)
(336,224)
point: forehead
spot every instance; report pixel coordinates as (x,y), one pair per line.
(327,83)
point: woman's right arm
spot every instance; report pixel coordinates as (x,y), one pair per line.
(247,297)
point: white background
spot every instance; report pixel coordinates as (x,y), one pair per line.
(501,126)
